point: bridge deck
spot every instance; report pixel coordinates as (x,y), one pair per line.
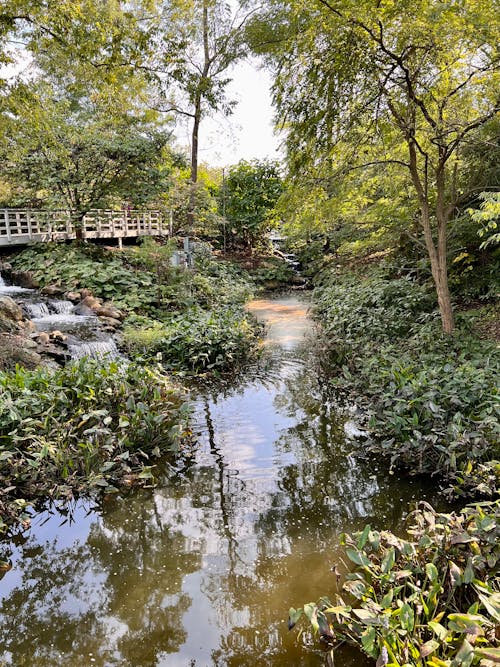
(22,226)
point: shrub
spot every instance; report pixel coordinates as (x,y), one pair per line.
(430,400)
(197,341)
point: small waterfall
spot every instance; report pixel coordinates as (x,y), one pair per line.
(61,307)
(2,281)
(96,349)
(37,310)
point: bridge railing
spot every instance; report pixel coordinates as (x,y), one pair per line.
(19,226)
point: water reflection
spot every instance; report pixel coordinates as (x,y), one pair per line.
(201,570)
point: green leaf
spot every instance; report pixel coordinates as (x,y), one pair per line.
(432,572)
(388,561)
(439,630)
(368,641)
(465,655)
(363,537)
(358,557)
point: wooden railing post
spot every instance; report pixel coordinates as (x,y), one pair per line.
(7,224)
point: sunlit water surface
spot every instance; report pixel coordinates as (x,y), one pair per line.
(201,570)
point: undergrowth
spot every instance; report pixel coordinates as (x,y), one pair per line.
(85,427)
(431,401)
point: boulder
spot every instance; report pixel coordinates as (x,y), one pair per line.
(17,350)
(106,311)
(24,279)
(42,338)
(85,293)
(82,309)
(74,297)
(91,302)
(57,336)
(53,290)
(10,310)
(7,325)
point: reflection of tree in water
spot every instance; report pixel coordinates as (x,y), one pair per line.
(117,597)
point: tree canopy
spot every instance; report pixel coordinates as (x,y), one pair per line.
(407,85)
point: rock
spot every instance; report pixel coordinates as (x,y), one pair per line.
(53,290)
(28,326)
(42,338)
(74,297)
(10,310)
(7,325)
(103,311)
(82,309)
(84,293)
(91,302)
(13,351)
(58,336)
(55,352)
(297,280)
(24,279)
(5,267)
(111,322)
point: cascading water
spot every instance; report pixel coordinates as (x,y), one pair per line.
(8,290)
(61,307)
(36,311)
(95,349)
(82,334)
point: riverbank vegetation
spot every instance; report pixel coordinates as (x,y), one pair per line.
(90,426)
(430,599)
(430,401)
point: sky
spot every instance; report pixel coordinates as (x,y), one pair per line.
(248,133)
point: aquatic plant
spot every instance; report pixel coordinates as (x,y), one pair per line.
(88,426)
(432,599)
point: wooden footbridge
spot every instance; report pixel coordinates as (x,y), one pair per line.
(22,226)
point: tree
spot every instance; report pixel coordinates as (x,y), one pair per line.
(76,153)
(198,41)
(422,76)
(247,199)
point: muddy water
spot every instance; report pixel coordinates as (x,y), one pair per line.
(201,570)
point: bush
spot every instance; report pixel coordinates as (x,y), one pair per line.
(197,341)
(86,426)
(76,266)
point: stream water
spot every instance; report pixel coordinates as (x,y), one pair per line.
(201,570)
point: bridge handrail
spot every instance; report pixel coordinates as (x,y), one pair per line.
(24,225)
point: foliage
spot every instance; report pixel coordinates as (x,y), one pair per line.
(430,401)
(78,153)
(487,217)
(83,427)
(389,88)
(432,599)
(272,271)
(77,266)
(197,340)
(247,199)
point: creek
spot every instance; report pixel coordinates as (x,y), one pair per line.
(201,570)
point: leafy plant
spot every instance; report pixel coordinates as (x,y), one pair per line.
(86,426)
(430,401)
(432,599)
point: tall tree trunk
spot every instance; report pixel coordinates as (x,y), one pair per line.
(437,251)
(197,117)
